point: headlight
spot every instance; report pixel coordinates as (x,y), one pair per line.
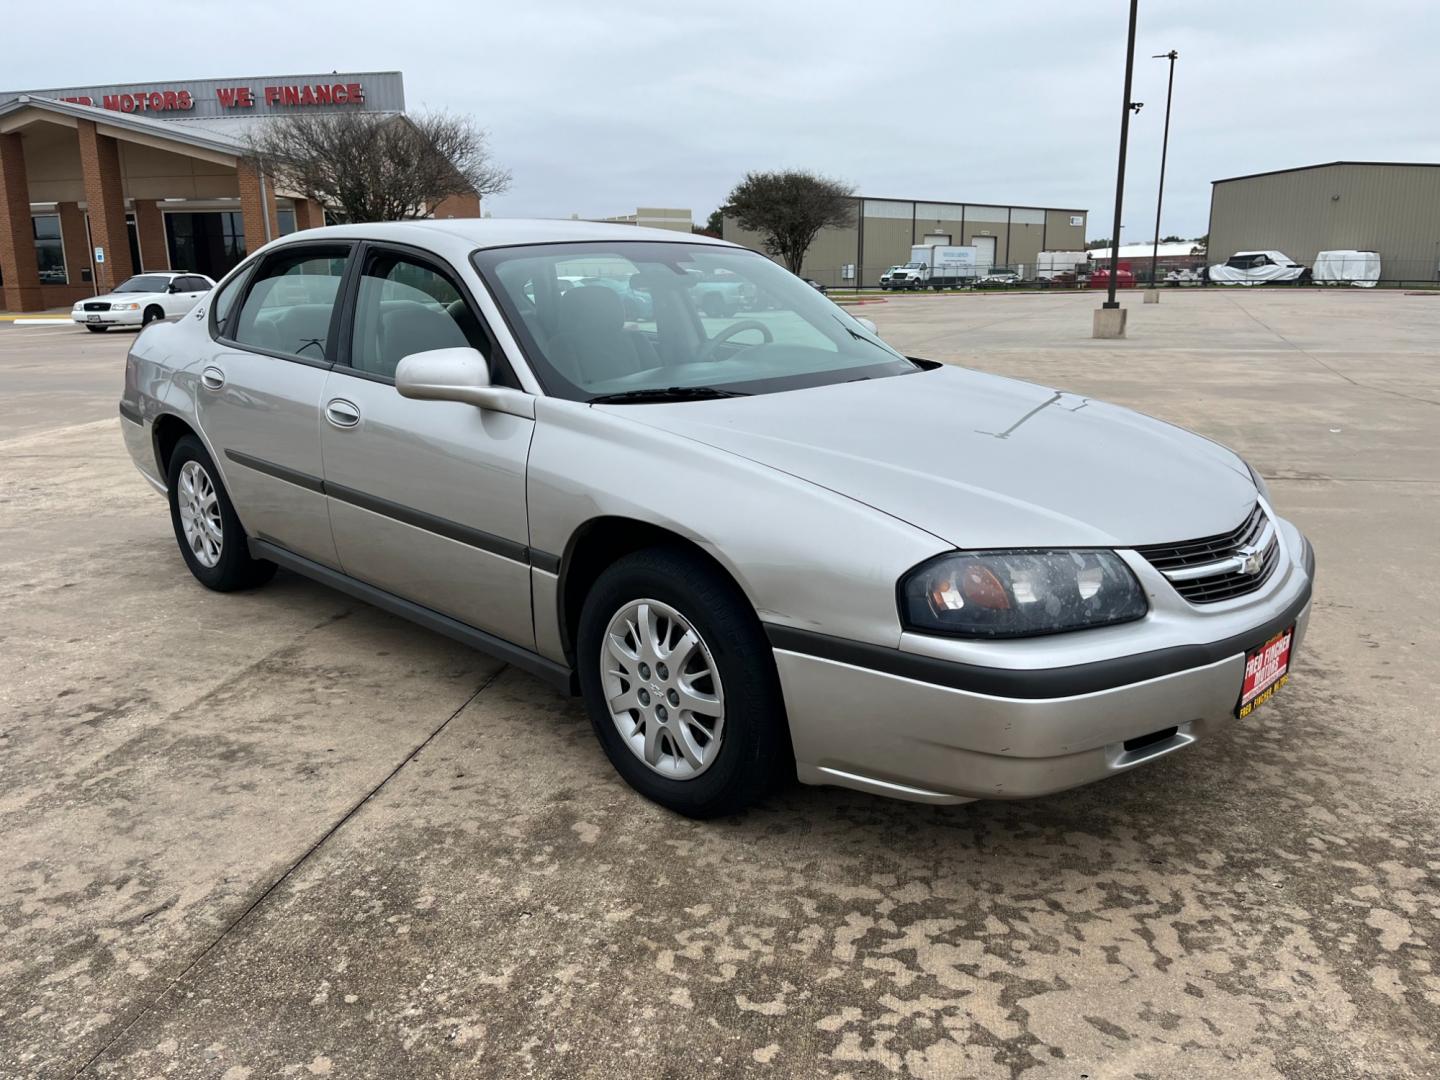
(124,307)
(994,594)
(1260,484)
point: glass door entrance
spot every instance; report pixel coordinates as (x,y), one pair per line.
(207,243)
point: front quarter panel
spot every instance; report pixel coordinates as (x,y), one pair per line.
(804,556)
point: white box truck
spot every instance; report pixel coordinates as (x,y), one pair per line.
(936,266)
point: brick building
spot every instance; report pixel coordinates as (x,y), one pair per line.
(98,183)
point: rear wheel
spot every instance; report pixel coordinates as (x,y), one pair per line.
(680,684)
(211,538)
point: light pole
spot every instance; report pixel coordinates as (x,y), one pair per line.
(1172,55)
(1107,324)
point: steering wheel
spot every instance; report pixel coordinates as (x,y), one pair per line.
(730,331)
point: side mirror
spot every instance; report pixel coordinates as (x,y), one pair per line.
(459,374)
(868,325)
(172,288)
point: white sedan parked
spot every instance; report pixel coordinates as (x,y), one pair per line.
(142,300)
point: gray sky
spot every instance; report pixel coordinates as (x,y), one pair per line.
(598,107)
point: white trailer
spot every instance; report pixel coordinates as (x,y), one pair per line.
(1051,264)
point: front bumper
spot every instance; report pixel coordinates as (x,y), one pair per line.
(107,318)
(902,733)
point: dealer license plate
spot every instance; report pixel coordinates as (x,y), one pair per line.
(1267,669)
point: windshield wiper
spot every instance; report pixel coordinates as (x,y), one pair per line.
(666,393)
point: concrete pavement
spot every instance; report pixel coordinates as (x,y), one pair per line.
(280,833)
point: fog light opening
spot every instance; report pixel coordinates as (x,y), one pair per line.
(1140,742)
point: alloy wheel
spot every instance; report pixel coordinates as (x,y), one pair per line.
(662,689)
(200,513)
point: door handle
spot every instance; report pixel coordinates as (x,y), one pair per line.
(212,378)
(342,413)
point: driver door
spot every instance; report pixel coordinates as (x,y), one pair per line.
(426,498)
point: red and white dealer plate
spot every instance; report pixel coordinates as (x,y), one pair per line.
(1267,669)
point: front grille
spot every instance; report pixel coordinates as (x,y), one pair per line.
(97,306)
(1178,562)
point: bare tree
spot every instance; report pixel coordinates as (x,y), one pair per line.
(788,210)
(373,167)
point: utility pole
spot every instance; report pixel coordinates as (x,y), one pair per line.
(1172,56)
(1110,319)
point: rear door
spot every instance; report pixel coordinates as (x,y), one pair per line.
(427,498)
(259,395)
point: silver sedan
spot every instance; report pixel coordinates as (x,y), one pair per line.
(759,544)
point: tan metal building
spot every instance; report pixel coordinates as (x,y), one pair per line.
(886,229)
(676,219)
(1389,207)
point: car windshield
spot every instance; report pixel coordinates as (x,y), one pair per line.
(145,283)
(615,317)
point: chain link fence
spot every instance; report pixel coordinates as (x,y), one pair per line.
(1170,272)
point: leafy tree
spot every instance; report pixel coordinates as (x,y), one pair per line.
(374,167)
(1172,240)
(714,224)
(1091,245)
(1203,241)
(788,210)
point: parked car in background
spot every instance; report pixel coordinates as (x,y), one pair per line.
(815,285)
(1259,268)
(1183,276)
(887,276)
(998,279)
(141,300)
(687,523)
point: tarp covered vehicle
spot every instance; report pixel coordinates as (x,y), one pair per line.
(1258,268)
(1360,268)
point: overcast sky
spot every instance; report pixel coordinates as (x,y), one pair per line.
(598,107)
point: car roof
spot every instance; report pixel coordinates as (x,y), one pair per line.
(501,232)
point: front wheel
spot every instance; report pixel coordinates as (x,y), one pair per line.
(209,533)
(680,684)
(152,314)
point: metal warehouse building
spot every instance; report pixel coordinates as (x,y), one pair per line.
(885,229)
(1389,207)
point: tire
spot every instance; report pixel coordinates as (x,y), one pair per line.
(150,314)
(232,567)
(97,329)
(752,752)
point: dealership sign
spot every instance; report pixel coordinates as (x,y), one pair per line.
(229,97)
(379,91)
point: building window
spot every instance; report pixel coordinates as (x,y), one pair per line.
(286,219)
(50,250)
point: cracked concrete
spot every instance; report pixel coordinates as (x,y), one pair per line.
(173,900)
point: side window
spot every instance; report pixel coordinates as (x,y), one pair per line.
(225,300)
(193,284)
(406,306)
(289,306)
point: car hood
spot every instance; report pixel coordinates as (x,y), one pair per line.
(982,461)
(123,298)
